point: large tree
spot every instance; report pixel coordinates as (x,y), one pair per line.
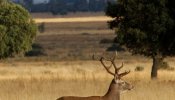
(17,29)
(145,27)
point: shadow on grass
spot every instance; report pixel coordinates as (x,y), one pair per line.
(37,50)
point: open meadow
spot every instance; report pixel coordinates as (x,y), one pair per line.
(50,80)
(64,66)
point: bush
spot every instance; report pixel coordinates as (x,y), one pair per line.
(171,69)
(41,27)
(164,65)
(17,30)
(139,68)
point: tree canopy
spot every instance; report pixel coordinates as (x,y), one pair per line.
(145,27)
(17,29)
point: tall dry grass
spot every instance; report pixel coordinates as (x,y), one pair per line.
(50,80)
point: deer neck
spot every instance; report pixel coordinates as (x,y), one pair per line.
(112,94)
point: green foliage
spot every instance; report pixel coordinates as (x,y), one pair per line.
(145,27)
(17,30)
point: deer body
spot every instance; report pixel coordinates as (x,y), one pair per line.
(116,87)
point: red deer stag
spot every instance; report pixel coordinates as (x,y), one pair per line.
(116,87)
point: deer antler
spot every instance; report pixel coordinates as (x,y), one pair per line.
(113,63)
(124,73)
(107,68)
(112,60)
(103,63)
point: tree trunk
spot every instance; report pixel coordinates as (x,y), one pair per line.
(156,63)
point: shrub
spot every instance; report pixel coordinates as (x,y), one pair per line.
(17,30)
(171,69)
(164,65)
(41,27)
(139,68)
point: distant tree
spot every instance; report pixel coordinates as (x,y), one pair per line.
(93,5)
(58,7)
(17,30)
(28,4)
(70,5)
(145,27)
(97,5)
(101,5)
(81,5)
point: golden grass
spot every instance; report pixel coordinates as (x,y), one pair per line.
(76,19)
(74,23)
(50,80)
(77,28)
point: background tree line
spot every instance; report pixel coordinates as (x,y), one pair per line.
(65,6)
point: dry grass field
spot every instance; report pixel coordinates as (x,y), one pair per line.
(76,19)
(73,40)
(50,80)
(73,47)
(74,23)
(77,28)
(66,66)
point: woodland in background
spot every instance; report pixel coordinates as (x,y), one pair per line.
(64,6)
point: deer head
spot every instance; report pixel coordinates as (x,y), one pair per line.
(117,85)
